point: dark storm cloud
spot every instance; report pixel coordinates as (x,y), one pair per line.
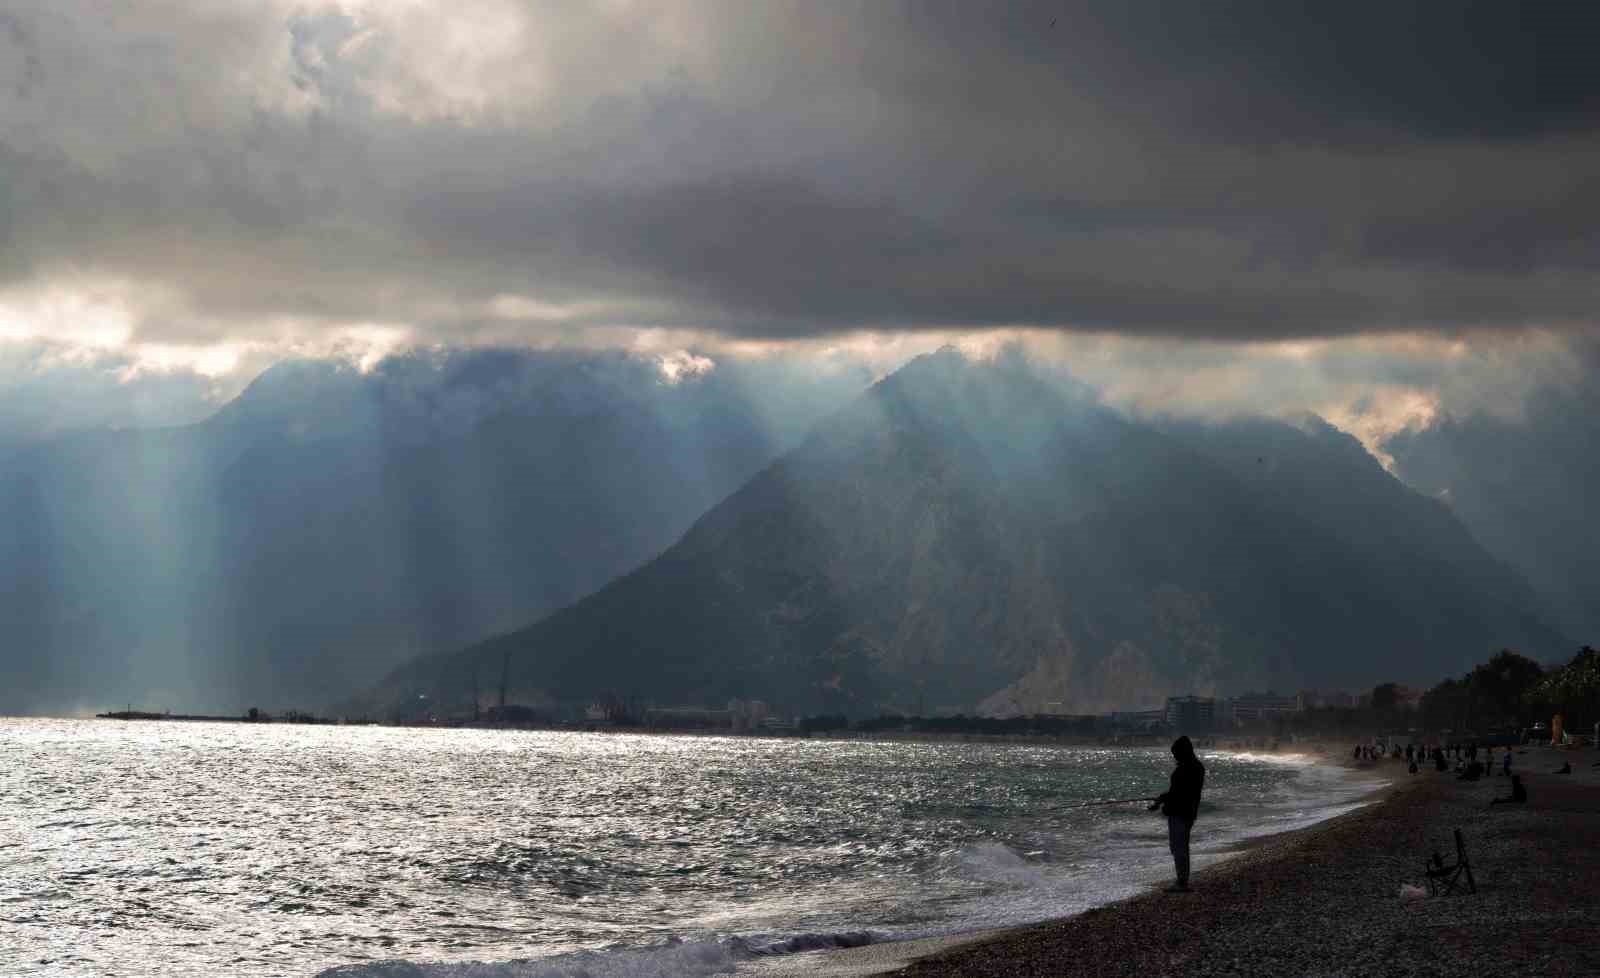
(1333,72)
(1234,170)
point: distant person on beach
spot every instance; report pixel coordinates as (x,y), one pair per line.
(1181,805)
(1519,794)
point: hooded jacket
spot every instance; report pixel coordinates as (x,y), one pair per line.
(1183,794)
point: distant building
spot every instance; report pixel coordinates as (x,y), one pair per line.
(748,714)
(1322,699)
(1253,707)
(1408,697)
(1196,713)
(689,718)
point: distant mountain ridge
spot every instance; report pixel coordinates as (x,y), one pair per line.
(973,536)
(1526,487)
(329,524)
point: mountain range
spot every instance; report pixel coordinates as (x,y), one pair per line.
(981,536)
(330,524)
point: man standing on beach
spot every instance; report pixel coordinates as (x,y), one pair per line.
(1181,805)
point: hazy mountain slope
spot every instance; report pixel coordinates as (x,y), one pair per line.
(1528,488)
(966,534)
(328,525)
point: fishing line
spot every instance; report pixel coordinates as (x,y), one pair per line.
(1091,804)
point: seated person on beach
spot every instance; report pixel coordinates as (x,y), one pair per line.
(1519,794)
(1181,804)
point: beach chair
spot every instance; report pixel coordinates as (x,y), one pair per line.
(1442,878)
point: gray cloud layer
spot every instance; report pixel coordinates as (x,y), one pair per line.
(1235,170)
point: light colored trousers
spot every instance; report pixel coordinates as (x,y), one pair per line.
(1178,829)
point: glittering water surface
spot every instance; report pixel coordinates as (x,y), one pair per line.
(163,848)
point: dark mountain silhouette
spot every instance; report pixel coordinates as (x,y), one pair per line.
(976,536)
(328,525)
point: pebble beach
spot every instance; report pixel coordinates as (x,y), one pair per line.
(1327,900)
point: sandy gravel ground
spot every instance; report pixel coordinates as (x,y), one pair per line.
(1325,900)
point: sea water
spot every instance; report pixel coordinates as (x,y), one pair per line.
(173,848)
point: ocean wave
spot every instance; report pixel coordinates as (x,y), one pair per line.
(673,959)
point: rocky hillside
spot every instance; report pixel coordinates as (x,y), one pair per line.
(969,535)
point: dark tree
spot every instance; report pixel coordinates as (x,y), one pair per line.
(1385,698)
(1501,685)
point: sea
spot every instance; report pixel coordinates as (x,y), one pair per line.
(165,848)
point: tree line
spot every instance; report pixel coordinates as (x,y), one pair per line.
(1511,690)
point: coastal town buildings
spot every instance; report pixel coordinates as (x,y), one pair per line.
(1255,707)
(1196,714)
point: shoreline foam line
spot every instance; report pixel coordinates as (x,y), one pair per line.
(1326,900)
(894,954)
(855,952)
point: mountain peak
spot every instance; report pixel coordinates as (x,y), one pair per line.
(966,531)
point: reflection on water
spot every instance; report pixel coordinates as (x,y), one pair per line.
(153,848)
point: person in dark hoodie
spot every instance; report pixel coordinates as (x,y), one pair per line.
(1181,804)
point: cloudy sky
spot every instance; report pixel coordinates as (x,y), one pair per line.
(1383,212)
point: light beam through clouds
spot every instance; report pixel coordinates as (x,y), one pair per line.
(1380,212)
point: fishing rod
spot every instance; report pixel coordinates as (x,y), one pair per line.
(1092,804)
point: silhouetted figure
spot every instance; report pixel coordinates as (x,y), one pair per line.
(1519,794)
(1411,765)
(1506,767)
(1566,768)
(1181,805)
(1356,753)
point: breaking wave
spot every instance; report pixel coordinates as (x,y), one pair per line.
(672,959)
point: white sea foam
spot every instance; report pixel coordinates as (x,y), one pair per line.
(683,960)
(674,959)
